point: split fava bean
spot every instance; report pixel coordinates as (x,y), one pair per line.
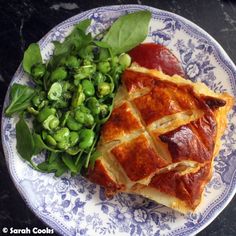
(63,145)
(73,150)
(32,111)
(55,91)
(61,134)
(45,113)
(51,122)
(54,123)
(50,140)
(74,138)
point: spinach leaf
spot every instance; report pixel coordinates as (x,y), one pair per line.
(32,56)
(101,44)
(20,96)
(128,31)
(53,164)
(24,140)
(105,50)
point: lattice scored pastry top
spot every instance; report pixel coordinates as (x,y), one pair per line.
(161,139)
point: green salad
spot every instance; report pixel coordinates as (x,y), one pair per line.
(73,94)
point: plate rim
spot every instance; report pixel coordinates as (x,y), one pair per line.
(221,53)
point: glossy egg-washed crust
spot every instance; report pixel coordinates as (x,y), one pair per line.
(161,138)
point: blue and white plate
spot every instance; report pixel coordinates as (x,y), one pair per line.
(74,206)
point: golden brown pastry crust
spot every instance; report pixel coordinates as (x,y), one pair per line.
(161,138)
(138,158)
(121,122)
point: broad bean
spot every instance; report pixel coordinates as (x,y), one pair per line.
(63,145)
(86,138)
(54,123)
(51,122)
(32,111)
(55,91)
(72,124)
(61,134)
(104,67)
(58,74)
(94,105)
(74,138)
(45,113)
(38,71)
(89,120)
(88,87)
(72,62)
(104,89)
(50,140)
(80,116)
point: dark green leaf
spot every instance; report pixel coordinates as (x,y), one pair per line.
(69,162)
(104,54)
(24,140)
(32,56)
(101,44)
(43,166)
(56,165)
(39,144)
(80,164)
(20,96)
(128,31)
(52,157)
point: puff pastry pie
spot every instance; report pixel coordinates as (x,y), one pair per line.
(161,139)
